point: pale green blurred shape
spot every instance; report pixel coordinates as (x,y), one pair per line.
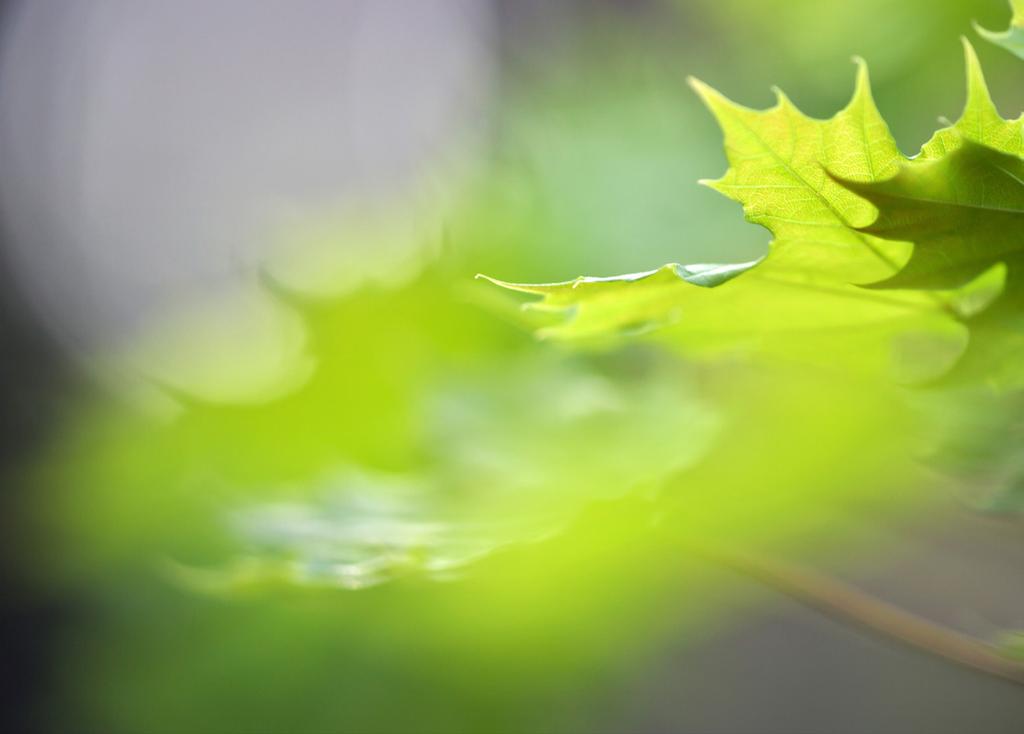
(1012,39)
(581,480)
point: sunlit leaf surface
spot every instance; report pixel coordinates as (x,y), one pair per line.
(806,291)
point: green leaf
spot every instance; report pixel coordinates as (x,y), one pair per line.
(980,121)
(778,160)
(961,203)
(964,212)
(1012,39)
(595,306)
(513,454)
(802,292)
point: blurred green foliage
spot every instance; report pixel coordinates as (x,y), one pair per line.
(1012,39)
(448,525)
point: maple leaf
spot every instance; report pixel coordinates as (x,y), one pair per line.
(778,161)
(801,294)
(964,212)
(961,203)
(980,121)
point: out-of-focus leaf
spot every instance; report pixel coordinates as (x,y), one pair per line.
(504,462)
(974,438)
(1012,39)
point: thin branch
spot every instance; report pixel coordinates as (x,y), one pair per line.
(850,604)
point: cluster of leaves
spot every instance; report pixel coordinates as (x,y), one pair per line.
(548,489)
(909,268)
(433,440)
(872,250)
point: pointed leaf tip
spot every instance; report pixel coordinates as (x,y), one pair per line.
(861,84)
(988,35)
(712,98)
(694,83)
(863,78)
(782,100)
(704,91)
(970,54)
(977,87)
